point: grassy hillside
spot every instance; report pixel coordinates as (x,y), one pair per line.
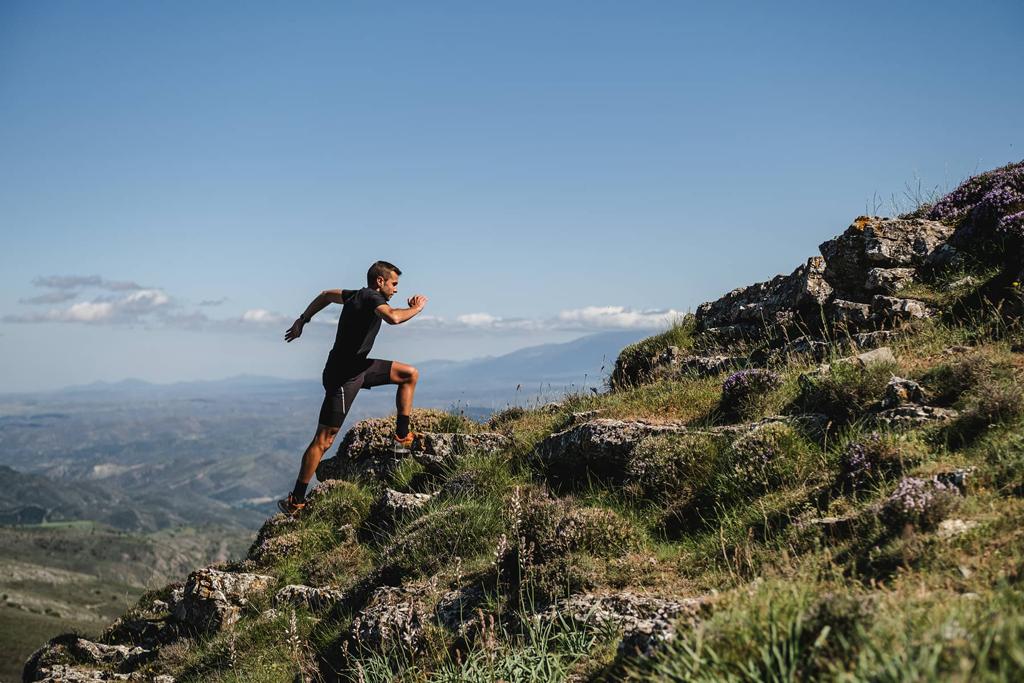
(785,507)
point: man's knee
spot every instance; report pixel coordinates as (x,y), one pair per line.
(404,374)
(325,436)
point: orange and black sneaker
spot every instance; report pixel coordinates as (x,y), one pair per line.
(290,506)
(404,446)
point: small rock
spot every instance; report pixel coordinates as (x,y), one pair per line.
(646,621)
(457,610)
(949,528)
(674,364)
(601,447)
(60,659)
(864,360)
(889,280)
(848,314)
(393,617)
(900,391)
(957,477)
(394,505)
(298,595)
(214,599)
(816,349)
(913,416)
(892,309)
(880,355)
(873,340)
(961,283)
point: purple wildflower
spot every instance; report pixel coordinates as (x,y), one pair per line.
(1012,226)
(859,462)
(922,502)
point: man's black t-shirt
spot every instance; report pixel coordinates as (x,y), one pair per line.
(357,328)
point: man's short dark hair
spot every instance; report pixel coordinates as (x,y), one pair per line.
(380,269)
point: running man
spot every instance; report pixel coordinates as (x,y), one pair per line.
(350,369)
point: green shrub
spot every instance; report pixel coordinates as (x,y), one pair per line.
(771,633)
(429,542)
(668,468)
(338,502)
(744,393)
(1005,459)
(947,382)
(545,528)
(338,567)
(503,419)
(870,458)
(995,403)
(765,458)
(845,391)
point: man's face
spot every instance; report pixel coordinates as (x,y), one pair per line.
(388,285)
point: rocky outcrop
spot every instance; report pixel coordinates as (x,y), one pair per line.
(748,311)
(213,600)
(604,447)
(646,621)
(675,363)
(847,291)
(71,658)
(873,242)
(368,451)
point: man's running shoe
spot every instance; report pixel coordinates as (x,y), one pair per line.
(404,446)
(290,506)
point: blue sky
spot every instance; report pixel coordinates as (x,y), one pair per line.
(179,179)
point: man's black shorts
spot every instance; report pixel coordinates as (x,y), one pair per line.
(341,388)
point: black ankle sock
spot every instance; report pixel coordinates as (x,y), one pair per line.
(299,492)
(402,426)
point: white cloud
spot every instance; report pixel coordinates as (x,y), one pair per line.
(134,307)
(478,319)
(589,318)
(85,312)
(617,318)
(263,316)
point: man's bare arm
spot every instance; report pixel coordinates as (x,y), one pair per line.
(320,302)
(396,316)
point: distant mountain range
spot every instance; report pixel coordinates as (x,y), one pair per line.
(477,387)
(141,456)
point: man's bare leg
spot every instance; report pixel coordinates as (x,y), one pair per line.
(321,443)
(405,376)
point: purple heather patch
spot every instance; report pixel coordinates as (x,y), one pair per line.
(984,200)
(745,383)
(859,460)
(921,501)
